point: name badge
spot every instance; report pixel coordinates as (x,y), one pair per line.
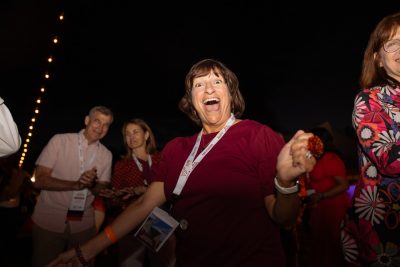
(77,206)
(156,229)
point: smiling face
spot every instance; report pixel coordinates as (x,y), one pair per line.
(390,61)
(211,100)
(211,95)
(97,125)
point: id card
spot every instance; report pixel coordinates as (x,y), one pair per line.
(156,229)
(77,206)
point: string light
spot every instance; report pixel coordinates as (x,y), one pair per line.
(50,60)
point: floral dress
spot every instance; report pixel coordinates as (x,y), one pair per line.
(371,230)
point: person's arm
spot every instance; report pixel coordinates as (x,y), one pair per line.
(99,187)
(103,177)
(45,180)
(128,220)
(334,167)
(292,162)
(377,132)
(341,185)
(10,140)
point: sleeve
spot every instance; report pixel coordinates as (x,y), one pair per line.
(376,122)
(105,174)
(118,174)
(10,140)
(267,145)
(159,171)
(156,158)
(49,154)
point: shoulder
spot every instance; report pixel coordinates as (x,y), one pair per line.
(63,138)
(256,128)
(379,92)
(122,162)
(254,125)
(332,159)
(105,150)
(256,137)
(179,144)
(156,156)
(331,156)
(178,141)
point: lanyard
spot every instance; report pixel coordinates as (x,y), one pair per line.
(139,164)
(81,159)
(78,200)
(190,164)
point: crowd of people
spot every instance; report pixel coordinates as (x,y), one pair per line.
(227,191)
(230,167)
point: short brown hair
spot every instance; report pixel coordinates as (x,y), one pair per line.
(202,68)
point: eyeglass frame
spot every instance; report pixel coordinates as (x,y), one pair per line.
(395,41)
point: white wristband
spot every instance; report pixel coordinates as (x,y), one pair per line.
(286,190)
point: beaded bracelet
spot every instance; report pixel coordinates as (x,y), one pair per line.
(286,190)
(110,234)
(80,257)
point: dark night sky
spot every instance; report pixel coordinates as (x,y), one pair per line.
(298,64)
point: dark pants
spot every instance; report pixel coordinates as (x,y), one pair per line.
(47,244)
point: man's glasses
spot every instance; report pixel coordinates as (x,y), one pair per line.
(392,46)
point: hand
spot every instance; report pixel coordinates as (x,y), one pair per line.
(67,259)
(107,193)
(292,160)
(314,198)
(88,178)
(129,192)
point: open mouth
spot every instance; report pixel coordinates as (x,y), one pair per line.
(211,104)
(211,101)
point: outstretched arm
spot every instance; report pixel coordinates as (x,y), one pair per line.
(128,220)
(292,162)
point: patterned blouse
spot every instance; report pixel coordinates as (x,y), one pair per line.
(371,231)
(127,174)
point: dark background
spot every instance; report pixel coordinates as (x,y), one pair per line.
(298,63)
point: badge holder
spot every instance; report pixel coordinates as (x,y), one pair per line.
(156,229)
(77,206)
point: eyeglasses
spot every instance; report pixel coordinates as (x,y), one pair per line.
(392,46)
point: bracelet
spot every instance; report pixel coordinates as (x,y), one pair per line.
(286,190)
(110,234)
(80,257)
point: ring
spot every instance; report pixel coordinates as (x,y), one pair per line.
(308,154)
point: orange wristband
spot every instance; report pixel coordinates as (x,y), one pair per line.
(110,234)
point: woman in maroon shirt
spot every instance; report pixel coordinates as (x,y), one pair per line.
(221,182)
(131,176)
(327,206)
